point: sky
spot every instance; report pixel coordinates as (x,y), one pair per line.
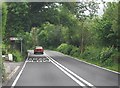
(100,11)
(101,6)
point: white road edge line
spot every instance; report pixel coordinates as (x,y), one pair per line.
(80,78)
(13,72)
(68,74)
(92,64)
(18,76)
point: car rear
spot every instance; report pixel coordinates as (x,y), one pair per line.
(38,50)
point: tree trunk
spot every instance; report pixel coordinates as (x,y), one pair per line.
(82,40)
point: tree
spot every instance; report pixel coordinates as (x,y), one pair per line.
(34,34)
(64,17)
(17,19)
(118,32)
(50,35)
(83,11)
(108,26)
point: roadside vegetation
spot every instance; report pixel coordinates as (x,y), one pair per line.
(71,28)
(107,57)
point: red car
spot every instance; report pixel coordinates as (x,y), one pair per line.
(39,49)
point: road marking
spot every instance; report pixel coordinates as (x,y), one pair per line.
(78,77)
(18,76)
(13,72)
(92,64)
(68,74)
(39,59)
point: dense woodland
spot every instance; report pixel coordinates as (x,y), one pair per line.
(69,27)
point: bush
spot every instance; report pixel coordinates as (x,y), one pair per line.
(106,56)
(3,49)
(65,48)
(17,57)
(75,51)
(116,56)
(69,49)
(91,53)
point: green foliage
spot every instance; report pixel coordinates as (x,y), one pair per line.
(91,53)
(67,27)
(104,56)
(68,49)
(17,57)
(29,15)
(3,10)
(34,36)
(50,35)
(4,18)
(108,26)
(17,19)
(75,51)
(27,41)
(65,48)
(3,49)
(106,33)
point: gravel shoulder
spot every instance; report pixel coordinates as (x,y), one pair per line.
(10,69)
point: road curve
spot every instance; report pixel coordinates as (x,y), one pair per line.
(54,73)
(94,75)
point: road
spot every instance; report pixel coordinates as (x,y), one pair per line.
(62,70)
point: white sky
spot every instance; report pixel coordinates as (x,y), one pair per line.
(101,6)
(100,11)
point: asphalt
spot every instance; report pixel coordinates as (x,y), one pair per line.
(47,74)
(92,74)
(43,74)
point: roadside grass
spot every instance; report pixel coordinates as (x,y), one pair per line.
(106,57)
(3,72)
(17,57)
(114,67)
